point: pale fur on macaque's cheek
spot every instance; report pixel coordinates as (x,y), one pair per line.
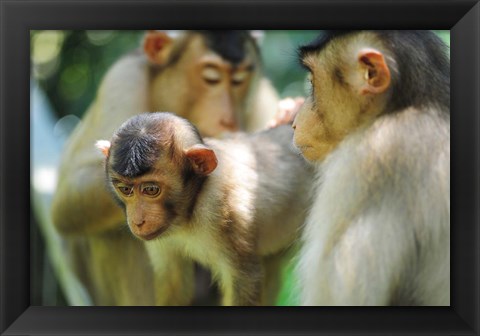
(309,139)
(305,147)
(315,152)
(308,153)
(307,136)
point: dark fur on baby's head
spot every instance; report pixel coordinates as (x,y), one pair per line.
(142,139)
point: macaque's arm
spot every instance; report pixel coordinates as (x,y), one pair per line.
(242,284)
(173,274)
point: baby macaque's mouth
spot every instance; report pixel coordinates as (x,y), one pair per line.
(154,234)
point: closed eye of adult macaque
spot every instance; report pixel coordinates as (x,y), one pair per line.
(378,123)
(214,79)
(228,204)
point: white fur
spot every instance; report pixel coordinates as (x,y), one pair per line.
(378,232)
(103,145)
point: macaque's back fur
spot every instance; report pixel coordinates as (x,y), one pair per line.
(264,163)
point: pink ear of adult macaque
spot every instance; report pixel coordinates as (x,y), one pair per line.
(375,71)
(203,159)
(157,46)
(103,146)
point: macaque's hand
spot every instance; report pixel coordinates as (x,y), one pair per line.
(287,110)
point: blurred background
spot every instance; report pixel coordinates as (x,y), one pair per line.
(66,68)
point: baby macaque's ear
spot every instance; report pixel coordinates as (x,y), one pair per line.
(104,146)
(203,159)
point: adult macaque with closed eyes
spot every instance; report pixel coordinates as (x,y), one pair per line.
(212,78)
(378,119)
(226,204)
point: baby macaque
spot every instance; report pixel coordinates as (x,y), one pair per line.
(226,203)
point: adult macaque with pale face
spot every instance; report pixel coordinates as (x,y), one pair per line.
(377,123)
(212,78)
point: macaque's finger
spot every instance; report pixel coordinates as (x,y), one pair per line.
(287,110)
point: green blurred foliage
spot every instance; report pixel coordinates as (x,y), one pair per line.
(444,35)
(279,54)
(70,64)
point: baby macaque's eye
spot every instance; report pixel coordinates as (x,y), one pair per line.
(125,189)
(150,189)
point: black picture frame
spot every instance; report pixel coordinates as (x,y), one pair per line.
(18,17)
